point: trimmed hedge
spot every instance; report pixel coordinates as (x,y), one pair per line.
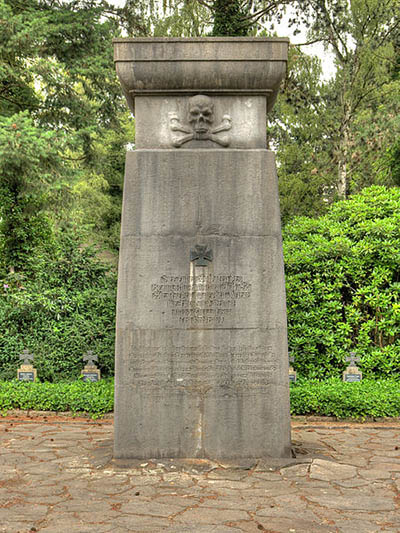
(329,398)
(334,397)
(78,396)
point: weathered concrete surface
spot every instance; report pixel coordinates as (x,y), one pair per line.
(201,341)
(221,65)
(201,192)
(201,352)
(55,476)
(247,115)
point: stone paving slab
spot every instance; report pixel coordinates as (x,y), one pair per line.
(56,475)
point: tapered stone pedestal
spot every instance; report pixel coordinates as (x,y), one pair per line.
(201,348)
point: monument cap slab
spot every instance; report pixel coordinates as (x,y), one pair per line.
(203,65)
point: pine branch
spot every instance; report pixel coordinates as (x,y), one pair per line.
(12,101)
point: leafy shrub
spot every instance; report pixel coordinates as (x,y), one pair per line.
(331,398)
(61,305)
(343,286)
(342,279)
(79,396)
(334,397)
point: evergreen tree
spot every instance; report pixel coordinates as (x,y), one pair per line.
(230,18)
(56,68)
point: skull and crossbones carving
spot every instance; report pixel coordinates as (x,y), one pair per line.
(200,118)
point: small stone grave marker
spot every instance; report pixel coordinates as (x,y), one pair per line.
(352,372)
(292,371)
(90,372)
(26,372)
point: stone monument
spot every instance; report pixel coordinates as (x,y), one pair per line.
(201,346)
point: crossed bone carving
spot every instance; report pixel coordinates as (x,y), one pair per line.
(200,118)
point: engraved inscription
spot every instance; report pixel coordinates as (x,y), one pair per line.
(200,119)
(90,376)
(352,377)
(202,366)
(200,299)
(26,376)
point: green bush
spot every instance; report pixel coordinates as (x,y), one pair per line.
(343,286)
(334,397)
(79,396)
(330,398)
(60,306)
(342,279)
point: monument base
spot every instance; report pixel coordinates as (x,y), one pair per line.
(201,347)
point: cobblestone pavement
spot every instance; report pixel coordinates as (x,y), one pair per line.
(56,476)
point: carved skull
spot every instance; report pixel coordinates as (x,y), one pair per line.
(201,113)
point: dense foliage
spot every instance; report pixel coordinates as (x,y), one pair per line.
(342,278)
(63,122)
(336,136)
(62,305)
(329,398)
(343,285)
(332,397)
(30,168)
(93,398)
(229,18)
(64,129)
